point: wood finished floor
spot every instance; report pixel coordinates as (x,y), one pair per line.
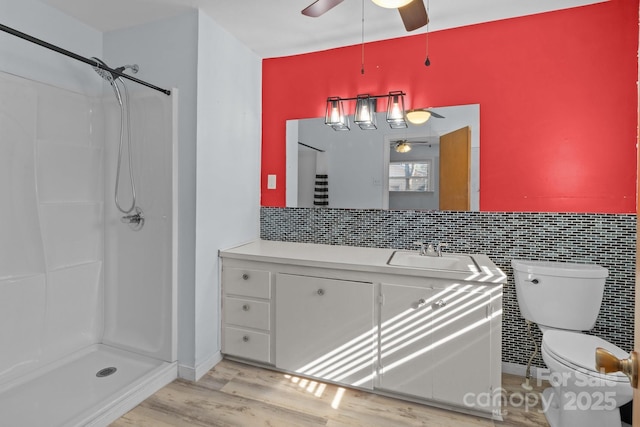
(235,394)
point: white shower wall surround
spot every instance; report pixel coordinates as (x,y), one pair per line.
(78,289)
(51,255)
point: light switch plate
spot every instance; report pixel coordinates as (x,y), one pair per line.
(271,182)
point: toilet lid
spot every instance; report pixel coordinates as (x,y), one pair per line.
(574,348)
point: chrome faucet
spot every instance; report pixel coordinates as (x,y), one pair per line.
(428,249)
(439,247)
(423,249)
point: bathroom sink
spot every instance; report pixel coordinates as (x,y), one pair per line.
(452,262)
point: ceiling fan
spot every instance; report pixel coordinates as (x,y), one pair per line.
(419,116)
(413,13)
(405,145)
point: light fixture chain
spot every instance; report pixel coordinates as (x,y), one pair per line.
(362,59)
(427,61)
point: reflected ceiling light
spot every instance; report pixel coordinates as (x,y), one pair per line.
(418,117)
(365,115)
(402,147)
(395,110)
(392,3)
(335,116)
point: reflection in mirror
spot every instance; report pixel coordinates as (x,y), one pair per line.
(352,169)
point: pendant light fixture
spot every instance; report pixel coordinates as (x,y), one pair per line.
(419,116)
(365,116)
(335,116)
(392,4)
(395,110)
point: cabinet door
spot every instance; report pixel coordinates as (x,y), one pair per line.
(462,347)
(405,340)
(436,343)
(325,328)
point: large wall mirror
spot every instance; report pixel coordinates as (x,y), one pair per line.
(431,166)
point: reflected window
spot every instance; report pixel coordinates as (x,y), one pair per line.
(411,176)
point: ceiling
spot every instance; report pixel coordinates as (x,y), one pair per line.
(273,28)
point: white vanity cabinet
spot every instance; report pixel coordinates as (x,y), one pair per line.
(326,328)
(436,341)
(346,316)
(247,312)
(406,338)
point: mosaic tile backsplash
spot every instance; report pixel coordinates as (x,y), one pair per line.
(608,240)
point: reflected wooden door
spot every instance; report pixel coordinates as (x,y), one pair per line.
(455,170)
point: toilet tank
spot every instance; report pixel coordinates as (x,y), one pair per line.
(559,295)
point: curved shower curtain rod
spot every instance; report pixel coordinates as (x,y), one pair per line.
(79,58)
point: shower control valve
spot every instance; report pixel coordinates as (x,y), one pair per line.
(129,219)
(135,221)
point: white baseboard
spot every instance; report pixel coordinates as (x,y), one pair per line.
(190,373)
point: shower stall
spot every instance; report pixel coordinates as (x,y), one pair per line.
(87,292)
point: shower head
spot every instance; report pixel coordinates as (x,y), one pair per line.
(105,74)
(108,76)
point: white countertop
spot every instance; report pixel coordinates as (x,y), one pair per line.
(354,258)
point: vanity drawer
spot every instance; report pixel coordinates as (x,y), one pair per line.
(246,282)
(247,313)
(247,344)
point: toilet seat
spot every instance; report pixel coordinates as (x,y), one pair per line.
(577,351)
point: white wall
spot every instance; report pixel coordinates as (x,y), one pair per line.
(219,81)
(26,59)
(355,161)
(228,168)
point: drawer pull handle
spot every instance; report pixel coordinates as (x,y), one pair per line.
(245,276)
(320,291)
(440,303)
(245,307)
(245,338)
(421,302)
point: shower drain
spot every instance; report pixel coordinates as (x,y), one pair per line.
(106,372)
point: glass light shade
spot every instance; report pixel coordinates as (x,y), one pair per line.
(418,117)
(341,126)
(390,4)
(402,147)
(365,115)
(335,116)
(395,111)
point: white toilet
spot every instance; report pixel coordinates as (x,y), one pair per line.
(564,299)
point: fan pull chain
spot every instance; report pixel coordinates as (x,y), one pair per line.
(362,59)
(427,61)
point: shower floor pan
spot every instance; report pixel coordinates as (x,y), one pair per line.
(69,393)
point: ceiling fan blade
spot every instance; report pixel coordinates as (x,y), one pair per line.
(319,7)
(436,115)
(414,15)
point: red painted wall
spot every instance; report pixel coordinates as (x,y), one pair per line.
(557,94)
